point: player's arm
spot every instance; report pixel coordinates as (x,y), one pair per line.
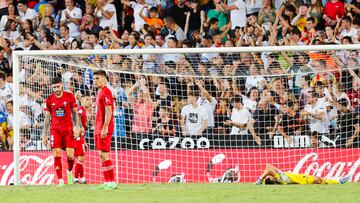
(274,172)
(108,116)
(78,123)
(46,127)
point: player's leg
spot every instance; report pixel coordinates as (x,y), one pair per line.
(58,165)
(70,144)
(56,144)
(10,140)
(70,163)
(103,146)
(79,170)
(342,180)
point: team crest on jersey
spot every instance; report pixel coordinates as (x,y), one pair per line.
(53,104)
(107,100)
(65,104)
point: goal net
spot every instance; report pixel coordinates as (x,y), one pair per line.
(199,115)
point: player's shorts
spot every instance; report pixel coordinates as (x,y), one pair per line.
(307,179)
(62,139)
(103,144)
(80,147)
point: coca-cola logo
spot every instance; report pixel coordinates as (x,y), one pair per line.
(33,170)
(327,169)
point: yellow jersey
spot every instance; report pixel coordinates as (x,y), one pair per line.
(301,179)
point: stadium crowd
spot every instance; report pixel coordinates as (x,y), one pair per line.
(234,99)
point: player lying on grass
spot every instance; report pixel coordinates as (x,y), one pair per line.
(273,175)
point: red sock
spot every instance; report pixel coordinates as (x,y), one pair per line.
(70,164)
(58,167)
(79,169)
(108,168)
(105,173)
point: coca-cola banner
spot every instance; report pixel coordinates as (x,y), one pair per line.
(141,166)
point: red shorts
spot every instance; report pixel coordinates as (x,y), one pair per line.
(62,139)
(80,146)
(103,144)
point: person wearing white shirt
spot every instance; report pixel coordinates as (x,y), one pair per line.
(315,113)
(71,16)
(6,91)
(172,43)
(237,12)
(194,118)
(137,6)
(149,59)
(240,116)
(208,102)
(348,29)
(25,12)
(106,13)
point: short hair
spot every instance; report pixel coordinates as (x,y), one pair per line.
(213,21)
(194,94)
(153,9)
(65,26)
(289,103)
(10,102)
(312,19)
(268,181)
(170,19)
(173,39)
(295,31)
(343,102)
(100,72)
(56,80)
(237,99)
(347,19)
(2,75)
(24,2)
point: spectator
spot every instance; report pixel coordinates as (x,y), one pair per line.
(10,31)
(6,91)
(89,24)
(333,10)
(106,14)
(12,15)
(139,22)
(65,40)
(217,14)
(237,12)
(264,123)
(149,59)
(315,113)
(152,20)
(195,19)
(348,125)
(290,123)
(143,108)
(267,14)
(25,12)
(194,118)
(176,31)
(208,102)
(71,17)
(179,12)
(165,125)
(348,30)
(240,116)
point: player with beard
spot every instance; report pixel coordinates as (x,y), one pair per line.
(61,108)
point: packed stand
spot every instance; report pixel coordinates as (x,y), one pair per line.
(234,100)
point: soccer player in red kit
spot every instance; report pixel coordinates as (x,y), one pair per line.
(61,108)
(104,127)
(80,141)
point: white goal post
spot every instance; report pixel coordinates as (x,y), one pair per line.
(61,56)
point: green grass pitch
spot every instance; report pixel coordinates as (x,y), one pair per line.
(185,193)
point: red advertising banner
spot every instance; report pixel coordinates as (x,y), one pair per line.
(143,166)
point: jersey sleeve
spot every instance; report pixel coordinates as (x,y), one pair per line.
(73,103)
(107,98)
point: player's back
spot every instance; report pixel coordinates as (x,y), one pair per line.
(300,178)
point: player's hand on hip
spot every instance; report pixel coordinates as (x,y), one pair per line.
(104,132)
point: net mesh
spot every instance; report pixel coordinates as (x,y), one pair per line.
(204,117)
